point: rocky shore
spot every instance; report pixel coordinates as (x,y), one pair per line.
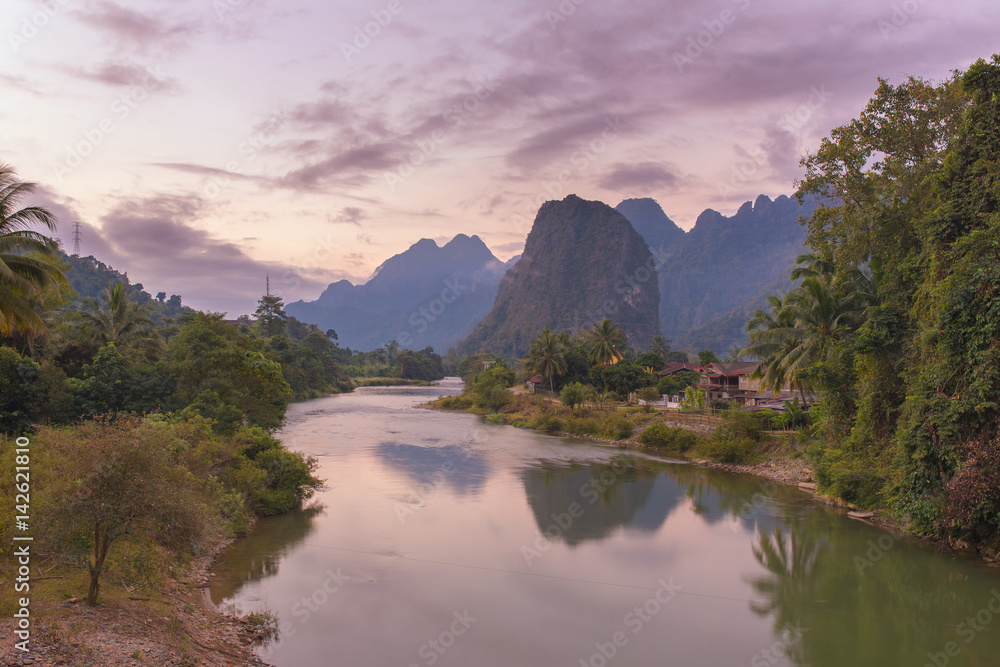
(179,627)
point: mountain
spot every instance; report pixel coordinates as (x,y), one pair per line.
(582,261)
(424,296)
(651,222)
(712,277)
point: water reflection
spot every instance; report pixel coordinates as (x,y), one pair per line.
(859,603)
(458,467)
(600,497)
(250,560)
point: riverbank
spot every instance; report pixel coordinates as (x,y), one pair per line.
(177,626)
(777,457)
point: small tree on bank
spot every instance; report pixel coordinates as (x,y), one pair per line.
(125,485)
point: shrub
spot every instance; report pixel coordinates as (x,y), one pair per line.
(618,427)
(675,438)
(573,395)
(548,423)
(648,395)
(728,449)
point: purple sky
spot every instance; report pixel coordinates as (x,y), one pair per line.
(204,143)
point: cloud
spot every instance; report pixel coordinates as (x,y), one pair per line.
(646,176)
(120,74)
(136,30)
(349,215)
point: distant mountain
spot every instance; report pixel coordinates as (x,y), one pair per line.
(712,277)
(582,261)
(424,296)
(651,222)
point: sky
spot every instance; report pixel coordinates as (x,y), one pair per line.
(206,144)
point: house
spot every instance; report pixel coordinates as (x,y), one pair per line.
(723,379)
(534,381)
(675,367)
(754,397)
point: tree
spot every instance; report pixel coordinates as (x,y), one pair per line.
(121,321)
(606,339)
(27,261)
(270,313)
(547,356)
(706,357)
(648,395)
(660,346)
(650,360)
(573,395)
(118,479)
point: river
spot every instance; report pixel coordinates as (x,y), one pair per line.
(442,540)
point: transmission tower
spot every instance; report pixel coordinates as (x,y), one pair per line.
(77,235)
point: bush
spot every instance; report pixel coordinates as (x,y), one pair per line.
(573,395)
(548,423)
(618,427)
(675,439)
(648,395)
(728,449)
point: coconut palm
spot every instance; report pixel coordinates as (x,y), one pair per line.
(605,340)
(774,340)
(547,356)
(27,263)
(121,321)
(660,346)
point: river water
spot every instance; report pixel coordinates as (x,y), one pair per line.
(442,540)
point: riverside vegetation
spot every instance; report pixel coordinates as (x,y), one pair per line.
(891,332)
(151,425)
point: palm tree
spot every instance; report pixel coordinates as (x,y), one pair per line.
(547,356)
(774,340)
(27,263)
(660,346)
(605,339)
(121,321)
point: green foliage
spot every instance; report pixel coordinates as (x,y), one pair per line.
(706,357)
(737,440)
(651,360)
(572,395)
(676,383)
(548,422)
(622,378)
(648,395)
(618,427)
(661,436)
